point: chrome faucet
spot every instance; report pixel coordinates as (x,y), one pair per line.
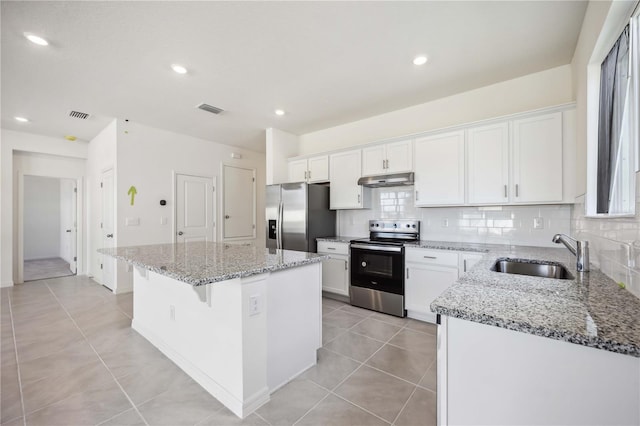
(580,251)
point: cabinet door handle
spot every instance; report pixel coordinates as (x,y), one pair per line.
(505,191)
(309,176)
(416,195)
(358,198)
(346,266)
(407,273)
(429,257)
(305,175)
(331,248)
(464,265)
(516,189)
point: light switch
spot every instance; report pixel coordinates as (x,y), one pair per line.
(132,221)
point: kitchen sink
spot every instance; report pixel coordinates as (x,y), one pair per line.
(533,268)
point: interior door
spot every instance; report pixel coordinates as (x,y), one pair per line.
(108,263)
(239,202)
(68,222)
(195,217)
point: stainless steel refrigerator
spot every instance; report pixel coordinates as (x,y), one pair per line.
(297,214)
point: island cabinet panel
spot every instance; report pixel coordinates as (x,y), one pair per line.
(490,375)
(236,338)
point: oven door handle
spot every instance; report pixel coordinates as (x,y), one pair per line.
(377,248)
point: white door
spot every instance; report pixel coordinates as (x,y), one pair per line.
(399,157)
(108,263)
(195,218)
(298,171)
(488,164)
(537,159)
(239,202)
(68,228)
(439,170)
(373,160)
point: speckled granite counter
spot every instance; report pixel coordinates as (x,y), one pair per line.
(338,239)
(589,310)
(200,263)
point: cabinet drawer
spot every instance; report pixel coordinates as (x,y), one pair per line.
(333,248)
(432,257)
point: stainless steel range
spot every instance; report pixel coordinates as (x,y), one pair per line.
(377,265)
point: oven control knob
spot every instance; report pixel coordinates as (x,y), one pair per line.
(395,225)
(413,226)
(408,226)
(364,264)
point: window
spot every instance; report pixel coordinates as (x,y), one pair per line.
(618,122)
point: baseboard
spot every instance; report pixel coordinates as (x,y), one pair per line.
(427,317)
(7,284)
(240,408)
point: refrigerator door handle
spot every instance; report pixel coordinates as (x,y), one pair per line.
(279,226)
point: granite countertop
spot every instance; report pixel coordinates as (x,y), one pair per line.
(200,263)
(590,310)
(338,239)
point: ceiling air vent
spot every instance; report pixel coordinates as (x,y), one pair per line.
(210,108)
(78,114)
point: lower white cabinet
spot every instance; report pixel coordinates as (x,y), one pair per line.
(467,260)
(428,274)
(335,270)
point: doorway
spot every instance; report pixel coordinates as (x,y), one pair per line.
(239,203)
(195,208)
(49,227)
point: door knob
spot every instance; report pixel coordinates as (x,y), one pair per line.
(180,233)
(109,235)
(227,216)
(68,230)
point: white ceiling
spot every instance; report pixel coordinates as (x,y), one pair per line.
(325,63)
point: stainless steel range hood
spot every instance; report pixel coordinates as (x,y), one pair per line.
(397,179)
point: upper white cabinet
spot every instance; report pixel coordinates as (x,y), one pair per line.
(488,164)
(310,170)
(394,157)
(537,159)
(345,170)
(439,170)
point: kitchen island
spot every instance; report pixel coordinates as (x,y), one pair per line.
(240,320)
(517,349)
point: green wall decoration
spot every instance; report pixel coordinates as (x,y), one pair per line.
(132,191)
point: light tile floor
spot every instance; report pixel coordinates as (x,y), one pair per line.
(70,357)
(39,269)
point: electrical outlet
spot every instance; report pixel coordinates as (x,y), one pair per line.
(163,220)
(254,305)
(538,223)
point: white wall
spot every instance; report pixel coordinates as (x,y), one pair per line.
(41,217)
(148,158)
(37,155)
(280,146)
(533,91)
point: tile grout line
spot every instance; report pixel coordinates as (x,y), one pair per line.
(100,358)
(15,349)
(404,406)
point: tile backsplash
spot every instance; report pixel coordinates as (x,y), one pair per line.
(614,242)
(495,225)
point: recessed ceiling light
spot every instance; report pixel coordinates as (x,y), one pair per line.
(179,69)
(70,138)
(36,39)
(279,112)
(22,119)
(420,60)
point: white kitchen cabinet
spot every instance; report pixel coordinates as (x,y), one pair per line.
(468,260)
(439,169)
(310,170)
(488,164)
(335,270)
(537,159)
(394,157)
(428,274)
(345,170)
